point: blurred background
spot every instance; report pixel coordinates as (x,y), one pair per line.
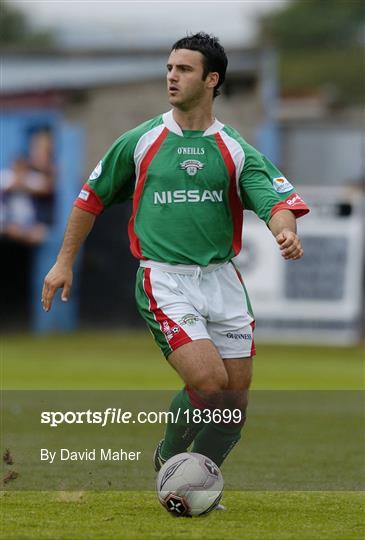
(75,75)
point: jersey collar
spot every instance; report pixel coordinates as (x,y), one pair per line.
(173,126)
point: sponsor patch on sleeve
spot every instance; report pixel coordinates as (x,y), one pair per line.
(97,171)
(294,200)
(281,184)
(84,195)
(294,203)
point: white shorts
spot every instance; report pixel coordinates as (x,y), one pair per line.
(182,303)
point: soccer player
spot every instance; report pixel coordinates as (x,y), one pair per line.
(191,177)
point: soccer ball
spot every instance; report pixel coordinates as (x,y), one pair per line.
(189,484)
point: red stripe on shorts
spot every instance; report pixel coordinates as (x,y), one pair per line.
(253,346)
(175,335)
(253,324)
(238,274)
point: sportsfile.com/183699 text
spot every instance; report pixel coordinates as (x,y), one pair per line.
(113,415)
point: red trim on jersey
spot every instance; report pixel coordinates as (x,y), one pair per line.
(294,203)
(146,161)
(166,324)
(233,198)
(93,203)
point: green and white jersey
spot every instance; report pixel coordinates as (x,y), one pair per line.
(189,190)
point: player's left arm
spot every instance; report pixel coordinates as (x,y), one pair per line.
(273,198)
(283,226)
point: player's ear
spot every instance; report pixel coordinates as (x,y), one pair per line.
(212,79)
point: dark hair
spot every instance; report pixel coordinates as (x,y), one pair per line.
(215,58)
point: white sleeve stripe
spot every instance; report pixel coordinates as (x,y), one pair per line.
(237,155)
(143,146)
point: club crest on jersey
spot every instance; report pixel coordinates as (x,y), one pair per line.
(191,166)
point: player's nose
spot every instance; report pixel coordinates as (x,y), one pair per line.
(172,75)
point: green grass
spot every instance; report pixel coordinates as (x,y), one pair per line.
(131,361)
(129,516)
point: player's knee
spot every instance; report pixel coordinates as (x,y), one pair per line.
(235,400)
(238,399)
(212,385)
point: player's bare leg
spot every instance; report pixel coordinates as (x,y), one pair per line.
(201,367)
(239,371)
(217,439)
(211,383)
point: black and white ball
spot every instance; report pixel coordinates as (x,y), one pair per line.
(189,484)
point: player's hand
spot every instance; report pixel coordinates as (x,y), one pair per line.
(59,277)
(290,246)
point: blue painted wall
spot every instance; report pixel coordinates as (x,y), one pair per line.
(69,151)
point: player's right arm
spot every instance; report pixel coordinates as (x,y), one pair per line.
(111,182)
(60,276)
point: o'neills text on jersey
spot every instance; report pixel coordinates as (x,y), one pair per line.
(190,150)
(190,195)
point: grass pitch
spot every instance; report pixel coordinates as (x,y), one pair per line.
(107,361)
(132,516)
(125,361)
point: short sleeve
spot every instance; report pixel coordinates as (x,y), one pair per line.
(112,181)
(265,190)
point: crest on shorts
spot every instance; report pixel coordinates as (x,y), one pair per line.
(169,331)
(191,166)
(189,319)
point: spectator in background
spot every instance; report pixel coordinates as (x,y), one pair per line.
(27,193)
(41,162)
